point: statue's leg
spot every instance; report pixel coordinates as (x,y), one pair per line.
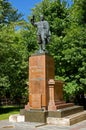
(39,39)
(40,47)
(43,42)
(39,42)
(43,46)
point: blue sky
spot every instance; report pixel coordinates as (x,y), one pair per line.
(24,6)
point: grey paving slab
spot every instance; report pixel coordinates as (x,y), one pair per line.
(6,125)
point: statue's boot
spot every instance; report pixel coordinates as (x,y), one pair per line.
(40,48)
(43,46)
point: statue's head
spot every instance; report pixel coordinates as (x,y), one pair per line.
(41,17)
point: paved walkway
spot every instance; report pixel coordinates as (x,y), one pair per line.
(6,125)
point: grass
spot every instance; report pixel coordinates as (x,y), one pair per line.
(6,111)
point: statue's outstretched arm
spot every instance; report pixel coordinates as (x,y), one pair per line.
(33,20)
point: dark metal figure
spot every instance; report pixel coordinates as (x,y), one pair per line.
(43,32)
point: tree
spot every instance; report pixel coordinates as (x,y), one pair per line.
(78,12)
(13,63)
(8,13)
(13,54)
(74,57)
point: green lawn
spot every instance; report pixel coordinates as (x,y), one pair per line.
(6,111)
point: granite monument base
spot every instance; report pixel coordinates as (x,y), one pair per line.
(42,116)
(34,115)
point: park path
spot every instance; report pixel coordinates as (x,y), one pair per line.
(6,125)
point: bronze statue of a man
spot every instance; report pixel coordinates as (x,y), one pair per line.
(43,32)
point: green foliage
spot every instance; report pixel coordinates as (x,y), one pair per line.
(8,13)
(13,55)
(13,63)
(71,87)
(29,38)
(74,53)
(78,12)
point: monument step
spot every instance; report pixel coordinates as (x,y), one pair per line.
(65,111)
(59,102)
(64,105)
(68,120)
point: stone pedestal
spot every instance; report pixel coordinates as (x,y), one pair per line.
(41,70)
